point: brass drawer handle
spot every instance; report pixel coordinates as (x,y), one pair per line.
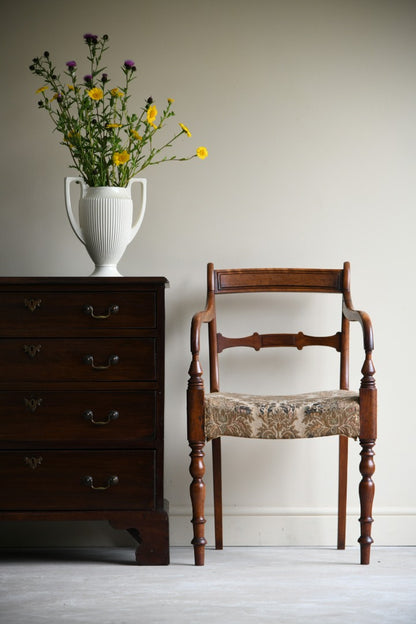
(112,361)
(113,309)
(89,482)
(89,415)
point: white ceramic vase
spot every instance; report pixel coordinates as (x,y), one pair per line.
(105,221)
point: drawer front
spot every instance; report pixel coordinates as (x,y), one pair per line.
(75,313)
(106,359)
(77,480)
(77,418)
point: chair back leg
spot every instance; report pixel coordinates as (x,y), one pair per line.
(216,467)
(342,491)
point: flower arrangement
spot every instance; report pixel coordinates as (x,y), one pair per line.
(108,145)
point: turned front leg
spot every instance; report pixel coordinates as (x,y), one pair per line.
(197,489)
(366,490)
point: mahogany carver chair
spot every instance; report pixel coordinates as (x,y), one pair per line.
(342,412)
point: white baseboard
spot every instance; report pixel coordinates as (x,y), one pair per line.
(273,526)
(243,526)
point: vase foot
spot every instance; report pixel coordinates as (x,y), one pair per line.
(105,270)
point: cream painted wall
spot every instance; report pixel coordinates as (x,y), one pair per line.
(308,110)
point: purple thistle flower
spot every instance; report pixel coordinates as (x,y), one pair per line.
(104,78)
(130,65)
(89,38)
(71,65)
(88,79)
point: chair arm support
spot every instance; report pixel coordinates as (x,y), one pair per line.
(368,390)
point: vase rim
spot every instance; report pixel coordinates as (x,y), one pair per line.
(107,187)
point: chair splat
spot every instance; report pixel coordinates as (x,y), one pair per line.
(260,341)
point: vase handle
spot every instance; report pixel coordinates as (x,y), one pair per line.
(75,226)
(135,227)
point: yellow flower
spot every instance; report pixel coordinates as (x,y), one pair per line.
(72,136)
(116,92)
(202,152)
(41,89)
(151,115)
(71,87)
(170,100)
(114,125)
(120,158)
(96,93)
(185,129)
(136,135)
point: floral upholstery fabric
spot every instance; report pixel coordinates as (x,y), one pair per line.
(310,415)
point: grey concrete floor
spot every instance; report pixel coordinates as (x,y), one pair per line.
(237,585)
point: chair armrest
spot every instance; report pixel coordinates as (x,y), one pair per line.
(205,316)
(363,318)
(195,392)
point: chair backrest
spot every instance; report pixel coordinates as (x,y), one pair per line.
(231,281)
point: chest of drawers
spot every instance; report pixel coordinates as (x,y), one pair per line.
(82,404)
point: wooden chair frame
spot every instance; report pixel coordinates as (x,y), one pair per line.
(281,280)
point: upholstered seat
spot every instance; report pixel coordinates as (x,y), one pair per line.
(309,415)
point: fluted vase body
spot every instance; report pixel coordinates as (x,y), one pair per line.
(105,222)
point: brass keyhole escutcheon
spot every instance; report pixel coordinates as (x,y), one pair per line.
(33,462)
(32,304)
(32,350)
(32,403)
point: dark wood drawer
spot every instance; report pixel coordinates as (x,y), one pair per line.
(77,419)
(95,360)
(66,480)
(35,312)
